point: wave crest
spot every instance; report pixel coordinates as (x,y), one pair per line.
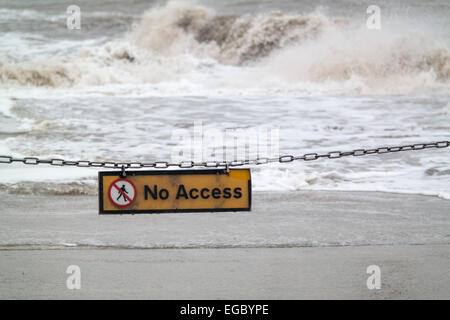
(271,52)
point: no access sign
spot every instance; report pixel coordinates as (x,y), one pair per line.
(174,191)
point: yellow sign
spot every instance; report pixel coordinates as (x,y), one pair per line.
(174,191)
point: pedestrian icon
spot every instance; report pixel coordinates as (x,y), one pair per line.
(122,193)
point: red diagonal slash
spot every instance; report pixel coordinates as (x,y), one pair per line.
(122,193)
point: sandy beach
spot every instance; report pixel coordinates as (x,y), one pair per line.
(408,272)
(206,268)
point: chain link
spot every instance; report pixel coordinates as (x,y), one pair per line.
(216,164)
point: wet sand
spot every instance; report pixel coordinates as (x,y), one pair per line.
(206,268)
(407,272)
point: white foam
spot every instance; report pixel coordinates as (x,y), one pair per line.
(16,173)
(402,181)
(5,107)
(171,51)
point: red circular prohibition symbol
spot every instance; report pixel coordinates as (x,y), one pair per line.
(122,193)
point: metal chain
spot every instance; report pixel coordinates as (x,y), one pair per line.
(216,164)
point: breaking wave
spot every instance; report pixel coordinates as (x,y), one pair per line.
(193,48)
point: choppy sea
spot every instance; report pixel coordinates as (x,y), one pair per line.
(137,71)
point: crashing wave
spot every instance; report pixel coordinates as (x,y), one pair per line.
(277,50)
